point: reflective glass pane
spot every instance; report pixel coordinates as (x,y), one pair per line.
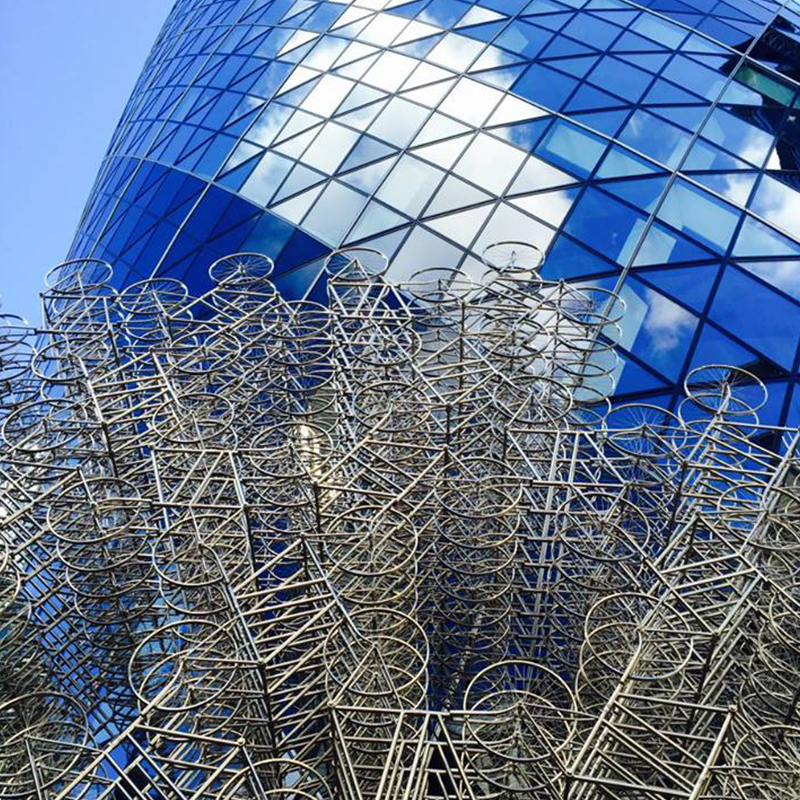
(326,96)
(383,29)
(700,215)
(544,86)
(398,122)
(489,163)
(423,247)
(455,52)
(573,148)
(523,39)
(655,137)
(621,78)
(659,30)
(707,156)
(785,275)
(606,225)
(587,28)
(620,163)
(471,101)
(505,225)
(389,71)
(643,193)
(331,147)
(656,329)
(742,139)
(334,213)
(551,207)
(773,331)
(735,186)
(778,204)
(688,74)
(410,185)
(758,240)
(266,178)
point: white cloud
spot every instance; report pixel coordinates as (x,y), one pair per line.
(666,323)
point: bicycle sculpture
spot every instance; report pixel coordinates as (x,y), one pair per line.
(394,546)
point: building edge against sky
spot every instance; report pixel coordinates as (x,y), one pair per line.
(651,148)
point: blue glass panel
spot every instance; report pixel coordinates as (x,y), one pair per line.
(269,236)
(706,156)
(784,275)
(633,378)
(701,215)
(571,147)
(568,260)
(509,6)
(410,185)
(587,97)
(409,10)
(656,329)
(689,116)
(376,218)
(236,211)
(655,137)
(770,412)
(664,92)
(773,331)
(368,178)
(608,122)
(688,74)
(398,122)
(185,197)
(714,347)
(664,246)
(299,179)
(644,193)
(501,78)
(690,285)
(214,156)
(578,66)
(486,33)
(758,240)
(523,134)
(562,46)
(649,61)
(545,86)
(793,417)
(622,163)
(323,17)
(553,22)
(779,204)
(298,250)
(621,78)
(236,177)
(606,225)
(742,139)
(366,151)
(442,12)
(294,284)
(659,30)
(594,31)
(523,39)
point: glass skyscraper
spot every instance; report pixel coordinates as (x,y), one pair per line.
(652,146)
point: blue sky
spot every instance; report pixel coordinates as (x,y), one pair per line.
(67,68)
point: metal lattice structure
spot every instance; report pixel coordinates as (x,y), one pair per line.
(397,546)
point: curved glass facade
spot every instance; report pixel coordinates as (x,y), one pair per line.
(650,146)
